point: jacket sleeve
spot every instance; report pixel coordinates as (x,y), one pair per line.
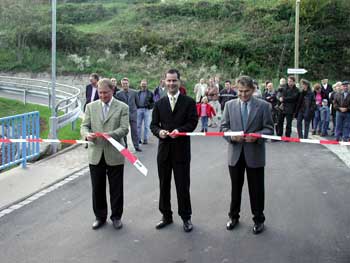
(192,118)
(267,127)
(85,126)
(225,125)
(155,123)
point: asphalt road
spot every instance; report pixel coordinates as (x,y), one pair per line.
(307,215)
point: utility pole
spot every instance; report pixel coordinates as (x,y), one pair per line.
(296,39)
(53,119)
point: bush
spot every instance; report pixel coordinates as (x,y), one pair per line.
(78,14)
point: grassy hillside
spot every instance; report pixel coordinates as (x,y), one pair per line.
(143,38)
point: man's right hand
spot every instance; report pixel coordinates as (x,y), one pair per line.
(237,138)
(163,134)
(91,136)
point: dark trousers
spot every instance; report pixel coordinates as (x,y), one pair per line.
(182,182)
(289,118)
(303,116)
(255,177)
(98,180)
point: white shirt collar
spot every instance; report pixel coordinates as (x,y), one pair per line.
(176,96)
(109,103)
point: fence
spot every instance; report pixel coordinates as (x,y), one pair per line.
(18,127)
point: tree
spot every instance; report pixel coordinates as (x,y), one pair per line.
(18,18)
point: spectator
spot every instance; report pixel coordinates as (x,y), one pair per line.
(91,93)
(130,98)
(115,87)
(144,111)
(336,89)
(325,116)
(319,96)
(160,91)
(288,97)
(257,92)
(327,88)
(205,111)
(342,106)
(305,109)
(200,89)
(270,96)
(227,94)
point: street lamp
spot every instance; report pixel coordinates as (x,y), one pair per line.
(296,39)
(53,119)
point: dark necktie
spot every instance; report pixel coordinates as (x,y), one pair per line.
(245,115)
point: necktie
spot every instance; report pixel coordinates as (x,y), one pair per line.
(105,110)
(245,115)
(172,104)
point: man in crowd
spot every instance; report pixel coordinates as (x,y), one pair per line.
(227,94)
(200,89)
(342,107)
(91,93)
(247,153)
(107,115)
(129,97)
(288,97)
(171,114)
(143,111)
(160,91)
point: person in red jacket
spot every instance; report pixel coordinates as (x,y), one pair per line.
(205,111)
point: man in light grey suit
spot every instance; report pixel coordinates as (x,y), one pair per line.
(129,97)
(106,115)
(247,153)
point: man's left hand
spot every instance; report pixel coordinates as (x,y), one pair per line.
(173,134)
(250,139)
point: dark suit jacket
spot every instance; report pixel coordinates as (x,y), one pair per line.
(88,93)
(131,99)
(184,118)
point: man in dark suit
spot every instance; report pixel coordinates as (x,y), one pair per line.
(247,153)
(171,114)
(129,97)
(111,116)
(91,93)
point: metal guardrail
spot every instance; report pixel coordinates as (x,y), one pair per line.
(18,127)
(67,98)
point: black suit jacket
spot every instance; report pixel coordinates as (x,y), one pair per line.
(184,118)
(88,93)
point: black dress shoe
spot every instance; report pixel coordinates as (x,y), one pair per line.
(138,149)
(258,228)
(145,142)
(97,224)
(164,222)
(117,224)
(188,225)
(231,223)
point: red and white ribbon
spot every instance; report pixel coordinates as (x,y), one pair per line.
(125,152)
(257,135)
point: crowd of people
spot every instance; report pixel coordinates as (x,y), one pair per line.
(239,105)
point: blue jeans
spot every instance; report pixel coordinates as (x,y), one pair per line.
(325,116)
(317,120)
(342,129)
(143,117)
(303,116)
(204,120)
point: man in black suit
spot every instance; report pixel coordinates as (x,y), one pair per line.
(91,93)
(171,114)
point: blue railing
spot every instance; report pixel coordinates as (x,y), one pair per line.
(22,126)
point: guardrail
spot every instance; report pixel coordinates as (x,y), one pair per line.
(67,98)
(18,127)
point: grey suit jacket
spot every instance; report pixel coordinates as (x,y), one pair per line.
(259,121)
(116,125)
(131,99)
